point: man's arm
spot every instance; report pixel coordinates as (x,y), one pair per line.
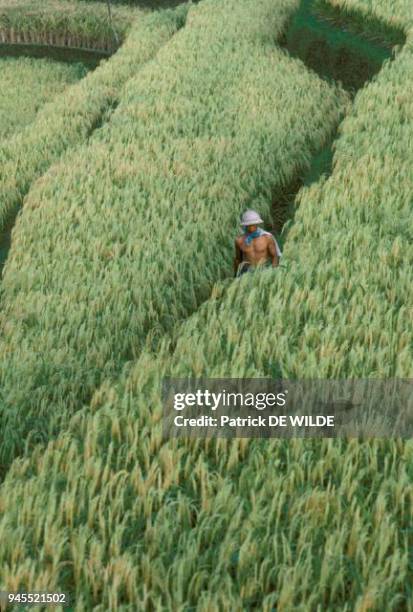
(273,251)
(238,256)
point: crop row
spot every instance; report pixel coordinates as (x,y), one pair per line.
(26,85)
(398,14)
(127,234)
(66,23)
(373,19)
(72,116)
(118,517)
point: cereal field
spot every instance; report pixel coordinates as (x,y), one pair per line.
(120,273)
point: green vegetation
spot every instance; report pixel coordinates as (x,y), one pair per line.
(397,14)
(26,85)
(338,51)
(339,308)
(200,132)
(148,5)
(103,270)
(75,114)
(65,23)
(120,518)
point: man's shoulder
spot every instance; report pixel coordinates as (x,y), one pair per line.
(268,237)
(265,236)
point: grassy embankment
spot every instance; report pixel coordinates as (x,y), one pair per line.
(233,525)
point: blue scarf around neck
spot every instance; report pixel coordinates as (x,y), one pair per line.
(250,237)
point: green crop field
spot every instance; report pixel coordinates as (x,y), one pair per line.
(128,188)
(67,23)
(75,114)
(26,84)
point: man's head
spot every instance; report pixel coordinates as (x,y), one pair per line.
(250,221)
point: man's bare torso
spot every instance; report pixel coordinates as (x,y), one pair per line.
(259,251)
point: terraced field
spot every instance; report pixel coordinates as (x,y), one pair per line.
(119,275)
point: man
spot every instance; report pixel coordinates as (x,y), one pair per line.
(255,247)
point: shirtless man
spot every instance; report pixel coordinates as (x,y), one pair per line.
(255,247)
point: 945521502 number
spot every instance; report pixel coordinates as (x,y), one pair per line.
(38,598)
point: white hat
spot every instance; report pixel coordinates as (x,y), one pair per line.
(250,217)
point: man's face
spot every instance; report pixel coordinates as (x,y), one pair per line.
(251,228)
